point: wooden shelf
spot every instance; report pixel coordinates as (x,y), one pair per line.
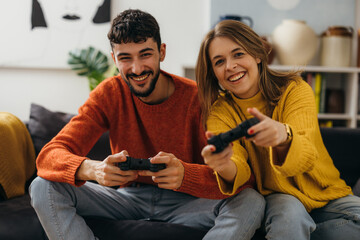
(334,116)
(317,69)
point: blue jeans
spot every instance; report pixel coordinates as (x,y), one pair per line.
(287,218)
(339,219)
(60,208)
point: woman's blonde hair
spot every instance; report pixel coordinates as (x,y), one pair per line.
(271,83)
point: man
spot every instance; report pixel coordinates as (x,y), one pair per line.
(149,113)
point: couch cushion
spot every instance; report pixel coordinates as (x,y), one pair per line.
(44,124)
(18,220)
(356,188)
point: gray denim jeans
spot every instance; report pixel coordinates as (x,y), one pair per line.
(60,208)
(286,218)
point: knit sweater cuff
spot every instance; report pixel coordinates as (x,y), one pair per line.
(192,178)
(200,181)
(242,176)
(299,158)
(71,172)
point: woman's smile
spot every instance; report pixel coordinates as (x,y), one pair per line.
(236,77)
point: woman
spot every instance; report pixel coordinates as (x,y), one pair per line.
(293,170)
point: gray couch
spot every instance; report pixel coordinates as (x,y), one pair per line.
(19,221)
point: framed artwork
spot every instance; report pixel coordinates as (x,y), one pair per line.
(40,33)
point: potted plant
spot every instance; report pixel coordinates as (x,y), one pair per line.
(91,63)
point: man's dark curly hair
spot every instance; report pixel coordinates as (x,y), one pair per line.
(134,26)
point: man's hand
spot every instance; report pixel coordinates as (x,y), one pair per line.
(169,178)
(105,172)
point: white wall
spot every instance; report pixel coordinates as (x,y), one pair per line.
(182,24)
(318,14)
(58,90)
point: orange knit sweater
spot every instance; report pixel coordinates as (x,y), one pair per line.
(143,130)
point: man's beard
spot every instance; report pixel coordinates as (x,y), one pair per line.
(151,87)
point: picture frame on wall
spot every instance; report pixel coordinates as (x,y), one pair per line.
(41,33)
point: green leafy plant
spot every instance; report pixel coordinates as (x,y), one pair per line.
(91,63)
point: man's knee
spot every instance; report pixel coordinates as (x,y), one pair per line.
(38,184)
(39,191)
(37,188)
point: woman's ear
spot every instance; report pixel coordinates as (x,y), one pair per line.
(258,60)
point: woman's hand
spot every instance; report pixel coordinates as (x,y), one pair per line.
(220,162)
(268,133)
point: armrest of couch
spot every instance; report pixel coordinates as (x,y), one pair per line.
(343,146)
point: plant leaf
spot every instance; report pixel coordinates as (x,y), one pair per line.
(89,62)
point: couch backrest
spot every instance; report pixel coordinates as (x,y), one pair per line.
(45,124)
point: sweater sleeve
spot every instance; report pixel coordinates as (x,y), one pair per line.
(200,181)
(219,122)
(297,109)
(59,159)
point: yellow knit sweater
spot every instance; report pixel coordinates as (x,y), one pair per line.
(307,173)
(17,155)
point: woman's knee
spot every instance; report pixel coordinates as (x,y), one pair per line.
(286,209)
(286,217)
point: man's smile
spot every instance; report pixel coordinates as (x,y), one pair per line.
(139,78)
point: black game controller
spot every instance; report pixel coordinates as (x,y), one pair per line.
(140,164)
(222,140)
